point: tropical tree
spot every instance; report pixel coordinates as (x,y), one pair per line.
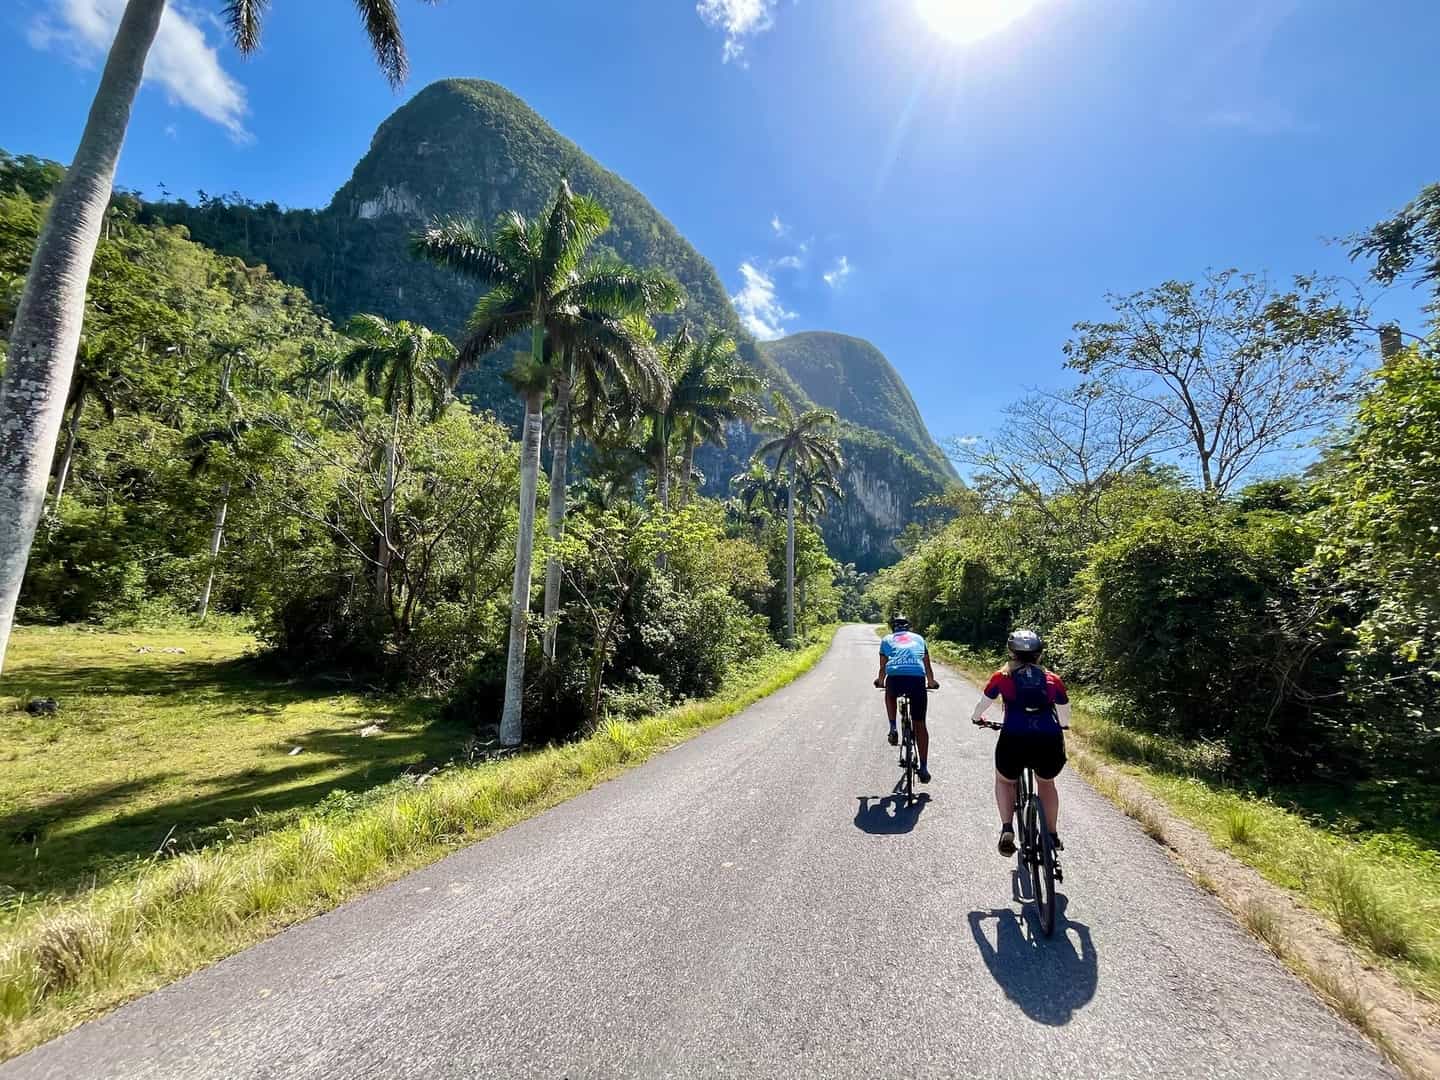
(97,378)
(205,451)
(404,365)
(599,369)
(799,442)
(46,334)
(713,390)
(536,282)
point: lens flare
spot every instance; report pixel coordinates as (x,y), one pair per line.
(966,21)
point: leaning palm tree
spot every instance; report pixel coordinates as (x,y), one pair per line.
(713,390)
(46,333)
(799,441)
(404,365)
(537,284)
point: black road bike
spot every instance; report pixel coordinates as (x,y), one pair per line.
(909,755)
(1034,847)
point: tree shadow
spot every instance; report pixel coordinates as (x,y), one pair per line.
(1049,978)
(40,850)
(889,815)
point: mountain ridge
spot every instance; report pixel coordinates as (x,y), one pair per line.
(470,148)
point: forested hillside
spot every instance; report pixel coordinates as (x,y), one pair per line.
(469,149)
(855,379)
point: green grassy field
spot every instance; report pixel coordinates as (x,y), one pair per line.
(68,956)
(154,745)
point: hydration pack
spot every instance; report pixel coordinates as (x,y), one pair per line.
(1032,691)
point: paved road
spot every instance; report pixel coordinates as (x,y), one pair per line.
(749,905)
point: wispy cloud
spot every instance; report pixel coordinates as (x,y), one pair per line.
(966,440)
(779,226)
(739,19)
(759,307)
(181,60)
(836,275)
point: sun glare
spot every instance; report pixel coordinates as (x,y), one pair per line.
(965,21)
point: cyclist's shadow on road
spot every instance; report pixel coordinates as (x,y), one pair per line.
(886,815)
(1049,978)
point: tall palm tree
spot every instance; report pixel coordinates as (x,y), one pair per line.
(713,390)
(402,364)
(798,441)
(46,333)
(595,368)
(536,282)
(201,450)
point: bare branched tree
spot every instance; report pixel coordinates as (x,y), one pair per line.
(1078,441)
(1233,367)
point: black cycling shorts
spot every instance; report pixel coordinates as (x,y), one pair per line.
(912,687)
(1043,751)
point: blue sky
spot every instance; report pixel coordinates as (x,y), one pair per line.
(843,164)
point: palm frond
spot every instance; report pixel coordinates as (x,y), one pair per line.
(243,18)
(620,289)
(461,247)
(573,224)
(382,27)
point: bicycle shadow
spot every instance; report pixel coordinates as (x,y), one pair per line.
(888,815)
(1049,978)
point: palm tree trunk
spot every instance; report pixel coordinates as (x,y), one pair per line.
(71,436)
(790,561)
(687,466)
(47,325)
(510,719)
(559,454)
(387,511)
(216,536)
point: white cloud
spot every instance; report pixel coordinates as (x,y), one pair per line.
(181,60)
(790,262)
(1261,118)
(759,308)
(739,19)
(779,226)
(967,440)
(835,277)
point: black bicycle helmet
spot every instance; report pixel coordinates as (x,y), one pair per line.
(1025,642)
(898,623)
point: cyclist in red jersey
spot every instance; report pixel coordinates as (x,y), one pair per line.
(1036,706)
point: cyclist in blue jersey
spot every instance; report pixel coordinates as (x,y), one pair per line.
(905,669)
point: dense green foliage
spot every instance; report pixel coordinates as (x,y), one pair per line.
(1286,625)
(231,452)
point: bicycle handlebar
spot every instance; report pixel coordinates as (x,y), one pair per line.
(993,726)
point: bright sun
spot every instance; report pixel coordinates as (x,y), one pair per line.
(964,21)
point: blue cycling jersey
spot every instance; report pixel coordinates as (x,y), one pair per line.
(904,653)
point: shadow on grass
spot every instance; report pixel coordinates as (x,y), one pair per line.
(87,836)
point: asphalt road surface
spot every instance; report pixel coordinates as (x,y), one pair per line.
(751,904)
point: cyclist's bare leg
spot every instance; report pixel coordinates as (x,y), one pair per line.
(1004,798)
(890,706)
(922,741)
(1050,800)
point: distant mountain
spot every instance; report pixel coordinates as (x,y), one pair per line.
(855,379)
(471,149)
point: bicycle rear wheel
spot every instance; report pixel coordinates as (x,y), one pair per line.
(1044,874)
(909,763)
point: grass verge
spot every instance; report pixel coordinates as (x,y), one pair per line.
(67,960)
